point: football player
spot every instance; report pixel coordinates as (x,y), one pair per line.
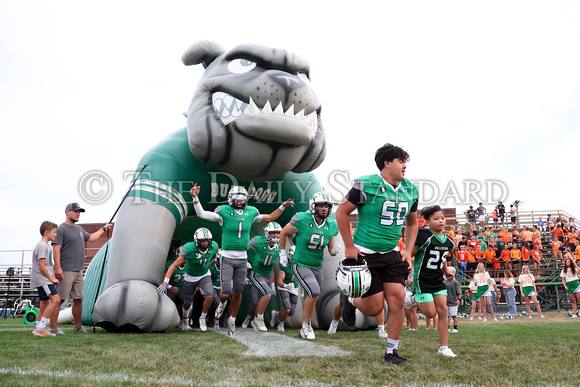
(287,292)
(314,231)
(197,256)
(430,251)
(236,219)
(385,202)
(264,253)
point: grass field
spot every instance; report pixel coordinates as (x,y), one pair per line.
(518,352)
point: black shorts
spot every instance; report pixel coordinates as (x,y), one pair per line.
(385,268)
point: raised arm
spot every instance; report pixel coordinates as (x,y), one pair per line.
(199,211)
(277,212)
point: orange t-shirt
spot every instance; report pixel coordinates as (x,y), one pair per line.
(571,238)
(516,253)
(489,256)
(470,257)
(506,255)
(451,235)
(527,236)
(504,236)
(536,254)
(525,254)
(556,246)
(558,233)
(462,256)
(479,256)
(577,253)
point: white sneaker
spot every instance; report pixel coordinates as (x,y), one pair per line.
(382,334)
(274,318)
(219,311)
(447,352)
(216,325)
(574,316)
(231,327)
(471,318)
(307,333)
(542,316)
(247,320)
(495,319)
(332,328)
(485,319)
(280,326)
(479,318)
(180,324)
(202,324)
(449,330)
(57,331)
(454,331)
(259,322)
(185,326)
(530,316)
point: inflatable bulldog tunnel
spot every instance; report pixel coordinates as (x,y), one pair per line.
(254,120)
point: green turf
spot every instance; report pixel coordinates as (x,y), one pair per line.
(506,353)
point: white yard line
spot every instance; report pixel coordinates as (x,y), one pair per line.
(273,344)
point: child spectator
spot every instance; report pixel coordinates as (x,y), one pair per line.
(453,297)
(479,255)
(462,258)
(541,225)
(556,249)
(506,255)
(495,217)
(513,216)
(516,256)
(42,278)
(471,215)
(536,259)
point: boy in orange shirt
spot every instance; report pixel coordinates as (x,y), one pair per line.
(516,255)
(556,249)
(489,261)
(506,257)
(479,255)
(462,258)
(536,259)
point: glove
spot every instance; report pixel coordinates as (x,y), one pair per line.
(283,258)
(273,286)
(249,265)
(289,286)
(335,248)
(162,289)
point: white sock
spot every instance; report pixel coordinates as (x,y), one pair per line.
(334,322)
(381,328)
(203,315)
(43,322)
(305,324)
(233,318)
(260,316)
(443,348)
(392,344)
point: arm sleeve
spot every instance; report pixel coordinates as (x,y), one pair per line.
(414,206)
(207,215)
(355,195)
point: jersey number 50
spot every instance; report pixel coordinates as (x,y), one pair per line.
(390,209)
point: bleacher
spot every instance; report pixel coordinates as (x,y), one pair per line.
(551,293)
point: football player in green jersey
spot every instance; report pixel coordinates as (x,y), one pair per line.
(431,249)
(197,256)
(175,288)
(385,202)
(264,252)
(314,231)
(236,219)
(287,292)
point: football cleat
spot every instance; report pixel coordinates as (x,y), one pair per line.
(395,359)
(258,325)
(202,324)
(280,327)
(219,311)
(333,327)
(231,327)
(274,318)
(247,320)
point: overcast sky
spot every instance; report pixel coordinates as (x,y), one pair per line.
(480,94)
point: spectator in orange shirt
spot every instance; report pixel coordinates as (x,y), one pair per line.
(506,257)
(536,259)
(536,232)
(503,234)
(495,217)
(527,235)
(516,256)
(559,232)
(462,258)
(491,261)
(577,252)
(556,249)
(451,233)
(479,254)
(472,243)
(471,261)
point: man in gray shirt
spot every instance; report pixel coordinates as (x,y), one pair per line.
(69,259)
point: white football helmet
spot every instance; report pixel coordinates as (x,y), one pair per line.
(202,234)
(272,227)
(353,277)
(320,198)
(238,192)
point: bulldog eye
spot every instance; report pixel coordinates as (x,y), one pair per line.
(240,66)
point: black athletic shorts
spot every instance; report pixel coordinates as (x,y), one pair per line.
(385,268)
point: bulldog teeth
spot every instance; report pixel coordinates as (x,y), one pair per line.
(230,108)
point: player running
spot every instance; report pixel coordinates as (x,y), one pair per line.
(384,202)
(287,292)
(197,256)
(314,231)
(236,219)
(431,248)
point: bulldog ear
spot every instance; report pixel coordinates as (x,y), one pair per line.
(203,52)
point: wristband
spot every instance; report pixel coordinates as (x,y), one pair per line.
(104,228)
(281,208)
(166,280)
(169,286)
(195,200)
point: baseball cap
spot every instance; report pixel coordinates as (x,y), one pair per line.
(74,207)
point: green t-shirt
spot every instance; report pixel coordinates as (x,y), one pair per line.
(236,226)
(382,210)
(263,257)
(177,277)
(196,262)
(311,239)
